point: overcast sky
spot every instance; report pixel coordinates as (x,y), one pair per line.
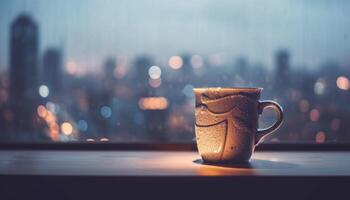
(90,30)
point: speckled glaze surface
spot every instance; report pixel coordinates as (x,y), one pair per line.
(226,123)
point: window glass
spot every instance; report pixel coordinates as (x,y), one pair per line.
(123,71)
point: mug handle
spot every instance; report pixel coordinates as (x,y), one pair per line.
(279,111)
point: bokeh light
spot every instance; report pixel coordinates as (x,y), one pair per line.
(314,115)
(320,87)
(104,139)
(154,72)
(343,83)
(197,61)
(106,111)
(44,91)
(320,137)
(153,103)
(175,62)
(188,91)
(82,125)
(66,128)
(41,110)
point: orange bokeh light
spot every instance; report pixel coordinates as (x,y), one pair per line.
(67,128)
(320,137)
(50,120)
(41,110)
(343,83)
(153,103)
(175,62)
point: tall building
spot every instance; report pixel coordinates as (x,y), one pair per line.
(108,75)
(282,69)
(109,66)
(52,71)
(187,74)
(141,77)
(24,74)
(241,71)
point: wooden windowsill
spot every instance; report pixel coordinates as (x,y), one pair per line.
(89,173)
(170,163)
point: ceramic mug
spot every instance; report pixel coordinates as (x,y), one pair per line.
(226,123)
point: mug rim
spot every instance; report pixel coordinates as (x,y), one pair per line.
(229,88)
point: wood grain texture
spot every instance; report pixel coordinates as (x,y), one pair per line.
(169,163)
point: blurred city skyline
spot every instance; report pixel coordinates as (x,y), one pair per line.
(144,99)
(90,31)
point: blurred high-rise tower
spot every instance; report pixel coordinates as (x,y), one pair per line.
(52,71)
(282,62)
(23,74)
(141,76)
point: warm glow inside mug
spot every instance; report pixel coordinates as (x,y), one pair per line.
(227,122)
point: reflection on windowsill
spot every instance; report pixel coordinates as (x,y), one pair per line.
(248,168)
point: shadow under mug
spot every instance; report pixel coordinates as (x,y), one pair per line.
(226,123)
